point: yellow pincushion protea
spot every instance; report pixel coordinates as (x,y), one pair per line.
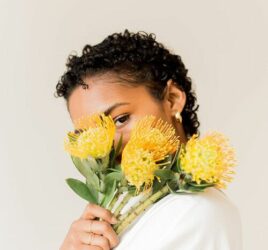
(156,136)
(138,166)
(151,141)
(209,159)
(94,137)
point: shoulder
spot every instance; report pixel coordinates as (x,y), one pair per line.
(212,205)
(186,221)
(210,218)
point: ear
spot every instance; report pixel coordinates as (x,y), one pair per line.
(175,97)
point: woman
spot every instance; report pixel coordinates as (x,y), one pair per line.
(130,75)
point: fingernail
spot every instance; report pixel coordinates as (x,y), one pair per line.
(114,220)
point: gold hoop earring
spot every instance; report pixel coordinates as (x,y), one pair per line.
(178,116)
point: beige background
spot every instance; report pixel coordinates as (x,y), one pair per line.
(224,46)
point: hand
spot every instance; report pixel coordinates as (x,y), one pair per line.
(88,233)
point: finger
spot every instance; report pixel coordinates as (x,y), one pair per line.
(100,227)
(88,247)
(98,240)
(85,238)
(92,211)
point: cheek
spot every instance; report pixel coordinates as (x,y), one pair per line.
(159,112)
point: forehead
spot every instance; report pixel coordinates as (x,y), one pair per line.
(102,92)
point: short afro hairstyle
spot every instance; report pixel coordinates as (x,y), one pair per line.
(136,58)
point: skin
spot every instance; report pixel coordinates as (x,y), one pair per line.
(126,104)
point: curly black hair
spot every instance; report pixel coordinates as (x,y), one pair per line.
(136,58)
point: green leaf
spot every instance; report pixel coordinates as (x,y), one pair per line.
(109,194)
(178,165)
(178,160)
(132,190)
(93,181)
(201,184)
(105,162)
(84,166)
(102,186)
(111,180)
(93,185)
(157,185)
(175,156)
(164,174)
(112,157)
(188,177)
(116,151)
(116,175)
(81,189)
(100,198)
(173,184)
(118,167)
(91,163)
(194,189)
(170,187)
(122,189)
(183,190)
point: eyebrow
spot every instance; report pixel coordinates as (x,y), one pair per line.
(109,110)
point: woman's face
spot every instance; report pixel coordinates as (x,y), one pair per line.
(126,104)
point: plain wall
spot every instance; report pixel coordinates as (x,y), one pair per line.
(222,43)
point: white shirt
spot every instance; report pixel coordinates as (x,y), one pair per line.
(200,221)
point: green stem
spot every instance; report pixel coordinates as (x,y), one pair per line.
(122,204)
(131,210)
(142,207)
(112,203)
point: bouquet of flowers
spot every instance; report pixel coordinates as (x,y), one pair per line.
(153,163)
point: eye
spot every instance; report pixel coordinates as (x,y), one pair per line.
(120,120)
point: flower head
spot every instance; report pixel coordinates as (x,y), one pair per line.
(151,141)
(138,166)
(209,159)
(156,136)
(93,137)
